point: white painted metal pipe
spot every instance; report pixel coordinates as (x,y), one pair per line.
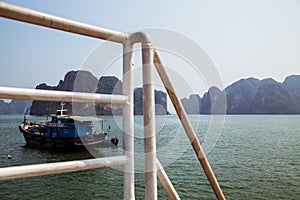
(149,122)
(15,172)
(38,18)
(187,126)
(42,19)
(60,96)
(165,182)
(128,122)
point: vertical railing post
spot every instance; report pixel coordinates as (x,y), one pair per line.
(149,122)
(128,121)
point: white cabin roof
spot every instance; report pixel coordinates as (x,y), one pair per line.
(86,119)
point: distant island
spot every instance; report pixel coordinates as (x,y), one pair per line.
(249,96)
(104,85)
(246,96)
(14,107)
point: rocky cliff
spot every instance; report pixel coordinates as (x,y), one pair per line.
(15,107)
(84,81)
(249,96)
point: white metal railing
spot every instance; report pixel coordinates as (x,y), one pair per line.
(150,58)
(15,172)
(60,96)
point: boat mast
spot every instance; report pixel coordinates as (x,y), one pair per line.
(62,108)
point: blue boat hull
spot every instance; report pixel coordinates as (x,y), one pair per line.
(42,140)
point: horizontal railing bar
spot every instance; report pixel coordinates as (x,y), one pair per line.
(60,96)
(16,172)
(50,21)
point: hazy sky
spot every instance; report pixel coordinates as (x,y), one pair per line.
(243,38)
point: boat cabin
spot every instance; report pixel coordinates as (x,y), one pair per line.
(73,126)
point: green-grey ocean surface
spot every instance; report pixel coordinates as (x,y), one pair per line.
(255,157)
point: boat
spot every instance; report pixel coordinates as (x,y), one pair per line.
(66,132)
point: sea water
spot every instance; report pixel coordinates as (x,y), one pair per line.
(252,156)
